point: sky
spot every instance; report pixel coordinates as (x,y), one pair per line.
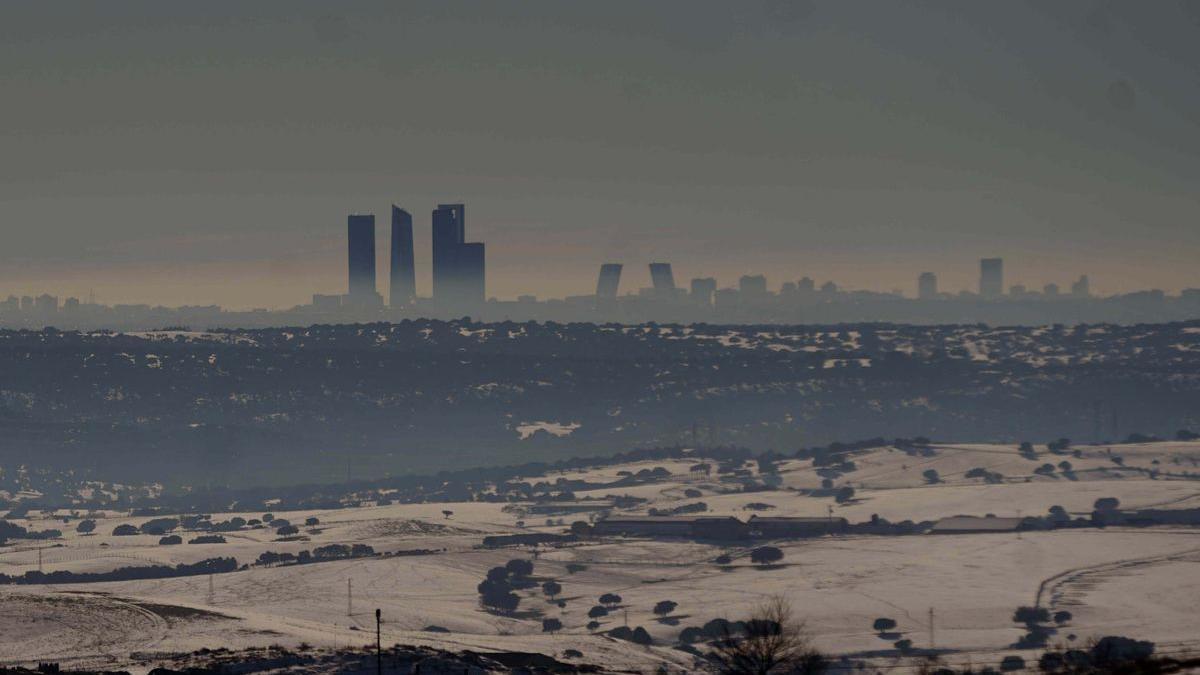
(198,153)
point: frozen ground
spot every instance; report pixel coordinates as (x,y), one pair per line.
(1142,583)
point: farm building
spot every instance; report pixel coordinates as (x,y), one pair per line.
(783,527)
(975,525)
(698,527)
(550,508)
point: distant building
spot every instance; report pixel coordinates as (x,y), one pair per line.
(1081,288)
(402,290)
(473,272)
(360,230)
(459,273)
(1050,290)
(703,290)
(697,527)
(753,286)
(975,525)
(1018,291)
(46,304)
(326,303)
(927,286)
(609,283)
(449,232)
(662,278)
(991,277)
(777,527)
(806,285)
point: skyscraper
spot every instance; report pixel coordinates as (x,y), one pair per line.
(471,266)
(1081,288)
(360,231)
(927,287)
(991,277)
(449,231)
(662,278)
(703,290)
(403,287)
(609,282)
(458,266)
(752,286)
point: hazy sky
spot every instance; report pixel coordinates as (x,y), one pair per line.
(209,152)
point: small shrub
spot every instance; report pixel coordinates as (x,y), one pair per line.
(766,555)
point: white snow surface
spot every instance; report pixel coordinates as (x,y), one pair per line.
(1143,583)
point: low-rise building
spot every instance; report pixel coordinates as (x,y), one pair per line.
(785,527)
(697,527)
(975,525)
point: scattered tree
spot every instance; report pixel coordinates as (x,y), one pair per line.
(1031,615)
(551,625)
(771,640)
(1012,663)
(610,599)
(519,568)
(766,555)
(884,625)
(1060,445)
(931,476)
(447,513)
(552,588)
(597,612)
(86,527)
(665,607)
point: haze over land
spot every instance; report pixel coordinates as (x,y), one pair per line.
(463,336)
(181,155)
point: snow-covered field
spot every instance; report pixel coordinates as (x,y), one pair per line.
(1141,583)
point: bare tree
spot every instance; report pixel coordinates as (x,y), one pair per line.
(771,641)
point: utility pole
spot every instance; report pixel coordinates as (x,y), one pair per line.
(932,644)
(39,560)
(211,592)
(378,643)
(349,598)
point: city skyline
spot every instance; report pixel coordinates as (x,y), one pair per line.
(774,138)
(376,271)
